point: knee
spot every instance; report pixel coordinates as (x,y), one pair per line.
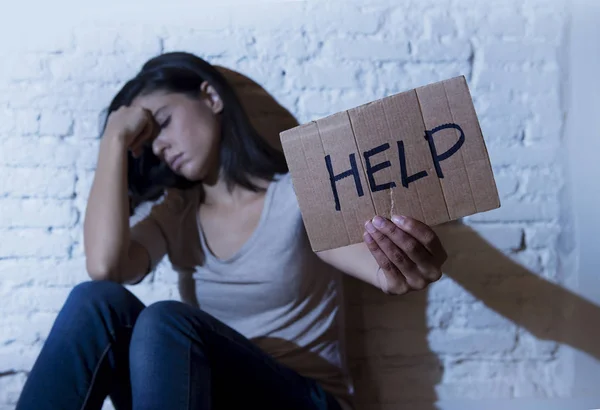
(159,314)
(100,292)
(167,319)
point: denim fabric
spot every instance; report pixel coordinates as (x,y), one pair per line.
(168,355)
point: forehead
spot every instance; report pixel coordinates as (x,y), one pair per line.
(156,100)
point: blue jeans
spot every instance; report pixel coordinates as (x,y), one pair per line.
(169,355)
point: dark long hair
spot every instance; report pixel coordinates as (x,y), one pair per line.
(244,153)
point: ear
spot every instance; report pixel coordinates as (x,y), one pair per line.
(213,99)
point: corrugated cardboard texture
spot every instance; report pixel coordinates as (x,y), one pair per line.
(419,153)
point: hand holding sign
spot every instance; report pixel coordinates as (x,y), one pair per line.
(419,153)
(409,253)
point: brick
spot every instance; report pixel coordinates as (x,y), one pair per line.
(349,18)
(530,347)
(8,123)
(416,314)
(381,379)
(502,103)
(439,25)
(507,185)
(207,44)
(479,316)
(541,378)
(164,273)
(34,299)
(108,405)
(108,68)
(22,67)
(546,25)
(504,23)
(46,151)
(501,236)
(522,156)
(480,390)
(27,122)
(315,103)
(34,243)
(144,39)
(441,50)
(471,341)
(385,343)
(447,289)
(59,38)
(534,80)
(366,49)
(56,123)
(501,52)
(405,22)
(502,130)
(348,99)
(10,389)
(548,182)
(88,154)
(292,45)
(215,18)
(42,273)
(36,213)
(103,96)
(103,38)
(15,358)
(289,16)
(470,370)
(421,74)
(22,329)
(547,123)
(519,211)
(269,77)
(37,182)
(88,124)
(541,236)
(326,75)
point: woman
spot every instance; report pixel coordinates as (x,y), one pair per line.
(267,331)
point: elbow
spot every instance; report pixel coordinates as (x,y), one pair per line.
(98,271)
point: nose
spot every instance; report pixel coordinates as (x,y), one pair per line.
(158,146)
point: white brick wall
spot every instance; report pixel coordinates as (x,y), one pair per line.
(478,333)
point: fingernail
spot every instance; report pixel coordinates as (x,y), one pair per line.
(398,219)
(378,222)
(370,228)
(368,238)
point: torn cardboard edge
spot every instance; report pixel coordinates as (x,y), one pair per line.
(421,154)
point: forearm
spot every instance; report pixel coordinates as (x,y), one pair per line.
(106,225)
(355,260)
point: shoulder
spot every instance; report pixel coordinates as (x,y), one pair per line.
(172,207)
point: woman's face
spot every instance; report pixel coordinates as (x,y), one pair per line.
(190,130)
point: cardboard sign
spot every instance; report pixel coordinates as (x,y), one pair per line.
(419,153)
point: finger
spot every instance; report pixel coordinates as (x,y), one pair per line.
(425,262)
(143,136)
(390,277)
(397,257)
(424,234)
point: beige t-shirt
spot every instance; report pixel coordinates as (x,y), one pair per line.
(274,290)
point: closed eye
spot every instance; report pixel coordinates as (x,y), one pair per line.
(165,122)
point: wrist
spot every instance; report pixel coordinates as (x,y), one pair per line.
(114,141)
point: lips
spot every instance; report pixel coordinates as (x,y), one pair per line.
(175,162)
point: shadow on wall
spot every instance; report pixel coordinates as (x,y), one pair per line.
(265,113)
(399,346)
(395,343)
